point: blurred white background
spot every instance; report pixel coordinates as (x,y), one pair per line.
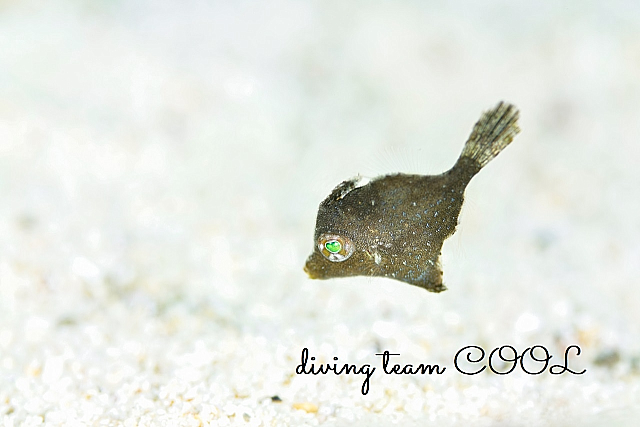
(160,169)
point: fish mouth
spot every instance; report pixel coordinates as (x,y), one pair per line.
(309,272)
(311,266)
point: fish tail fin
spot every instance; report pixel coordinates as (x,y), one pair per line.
(492,133)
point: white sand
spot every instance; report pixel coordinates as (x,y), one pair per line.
(160,171)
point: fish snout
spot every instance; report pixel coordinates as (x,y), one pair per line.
(310,269)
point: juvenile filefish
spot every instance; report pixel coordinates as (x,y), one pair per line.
(395,225)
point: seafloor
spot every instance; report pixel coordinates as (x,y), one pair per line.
(161,164)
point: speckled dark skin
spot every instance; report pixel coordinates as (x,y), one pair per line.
(398,223)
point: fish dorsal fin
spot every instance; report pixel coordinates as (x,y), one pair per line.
(345,187)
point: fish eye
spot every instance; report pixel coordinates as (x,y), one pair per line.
(335,248)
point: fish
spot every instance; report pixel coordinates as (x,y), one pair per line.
(394,226)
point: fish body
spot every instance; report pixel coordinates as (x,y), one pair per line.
(395,225)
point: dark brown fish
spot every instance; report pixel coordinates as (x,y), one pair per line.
(395,225)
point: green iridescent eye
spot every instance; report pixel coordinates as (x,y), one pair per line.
(335,248)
